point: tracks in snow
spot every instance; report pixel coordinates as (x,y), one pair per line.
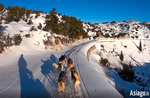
(82,91)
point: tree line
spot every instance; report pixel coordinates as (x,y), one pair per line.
(69,26)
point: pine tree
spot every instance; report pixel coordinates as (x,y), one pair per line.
(140,46)
(60,14)
(40,26)
(1,32)
(30,22)
(1,7)
(8,41)
(17,39)
(121,56)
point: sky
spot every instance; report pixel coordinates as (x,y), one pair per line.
(94,11)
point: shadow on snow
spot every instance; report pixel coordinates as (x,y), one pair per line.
(49,71)
(30,87)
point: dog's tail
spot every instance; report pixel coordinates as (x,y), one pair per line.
(61,86)
(55,65)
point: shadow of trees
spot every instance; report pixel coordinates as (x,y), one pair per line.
(140,82)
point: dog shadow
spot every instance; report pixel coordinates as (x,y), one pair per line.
(30,87)
(55,60)
(49,71)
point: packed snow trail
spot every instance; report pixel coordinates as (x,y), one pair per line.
(33,76)
(93,84)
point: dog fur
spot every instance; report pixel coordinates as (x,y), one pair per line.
(75,77)
(70,63)
(62,81)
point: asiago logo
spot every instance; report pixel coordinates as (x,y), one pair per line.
(139,93)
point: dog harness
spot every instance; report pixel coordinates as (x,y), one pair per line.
(62,75)
(70,62)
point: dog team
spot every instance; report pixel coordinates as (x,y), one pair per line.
(62,76)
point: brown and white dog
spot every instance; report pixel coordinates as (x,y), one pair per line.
(62,61)
(75,77)
(70,63)
(62,81)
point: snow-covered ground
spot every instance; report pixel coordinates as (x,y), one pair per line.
(139,60)
(29,73)
(134,29)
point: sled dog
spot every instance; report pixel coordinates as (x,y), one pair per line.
(69,63)
(62,59)
(61,62)
(75,77)
(61,81)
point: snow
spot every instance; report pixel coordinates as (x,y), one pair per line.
(33,68)
(133,28)
(140,61)
(96,81)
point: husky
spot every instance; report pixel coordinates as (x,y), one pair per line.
(75,77)
(62,61)
(61,81)
(70,63)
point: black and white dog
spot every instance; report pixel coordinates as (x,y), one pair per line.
(61,63)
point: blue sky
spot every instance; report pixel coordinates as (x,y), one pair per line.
(95,11)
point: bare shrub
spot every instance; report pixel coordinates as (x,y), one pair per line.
(127,74)
(105,62)
(102,46)
(33,28)
(27,35)
(69,42)
(1,49)
(57,42)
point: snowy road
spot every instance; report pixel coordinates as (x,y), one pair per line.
(33,76)
(93,84)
